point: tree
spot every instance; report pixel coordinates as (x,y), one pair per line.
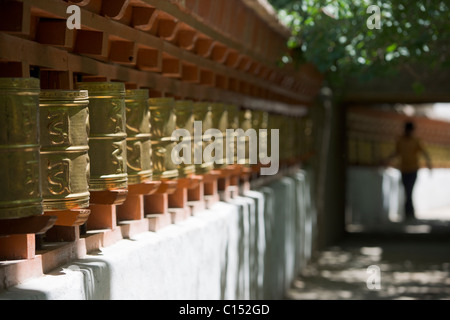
(335,35)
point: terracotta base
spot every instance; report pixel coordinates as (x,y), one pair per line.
(158,202)
(17,247)
(103,216)
(178,199)
(159,221)
(70,218)
(116,196)
(211,188)
(30,225)
(179,214)
(133,207)
(103,208)
(18,236)
(196,196)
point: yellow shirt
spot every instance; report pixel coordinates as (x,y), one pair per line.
(408,149)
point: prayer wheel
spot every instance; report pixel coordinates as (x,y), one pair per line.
(203,113)
(260,123)
(274,123)
(245,123)
(20,190)
(139,145)
(220,122)
(64,132)
(184,112)
(162,123)
(233,124)
(107,138)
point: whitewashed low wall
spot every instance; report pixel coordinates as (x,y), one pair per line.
(250,248)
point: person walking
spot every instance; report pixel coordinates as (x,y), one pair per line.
(408,149)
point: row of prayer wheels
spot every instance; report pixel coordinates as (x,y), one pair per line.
(57,146)
(362,150)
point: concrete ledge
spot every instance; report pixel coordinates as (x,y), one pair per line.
(249,248)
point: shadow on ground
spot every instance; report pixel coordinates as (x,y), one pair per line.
(413,259)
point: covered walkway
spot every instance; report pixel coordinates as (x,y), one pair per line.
(220,229)
(414,262)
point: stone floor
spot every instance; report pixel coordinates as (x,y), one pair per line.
(413,261)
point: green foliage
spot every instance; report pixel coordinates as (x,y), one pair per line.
(333,34)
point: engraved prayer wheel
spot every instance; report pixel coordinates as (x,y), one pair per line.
(162,124)
(203,113)
(245,123)
(107,138)
(20,190)
(139,145)
(64,132)
(233,116)
(184,112)
(260,122)
(232,124)
(274,123)
(220,122)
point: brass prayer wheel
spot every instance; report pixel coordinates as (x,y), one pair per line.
(274,123)
(107,138)
(245,123)
(184,112)
(220,122)
(139,145)
(233,124)
(64,132)
(20,190)
(260,122)
(203,113)
(233,116)
(162,124)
